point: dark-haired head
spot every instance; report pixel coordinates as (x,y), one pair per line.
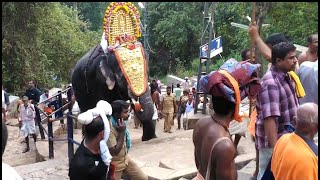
(280,51)
(95,129)
(313,42)
(4,136)
(118,107)
(153,86)
(169,89)
(244,54)
(276,38)
(284,56)
(222,106)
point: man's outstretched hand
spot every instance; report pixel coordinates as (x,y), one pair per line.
(253,31)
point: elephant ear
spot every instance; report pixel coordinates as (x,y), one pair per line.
(108,74)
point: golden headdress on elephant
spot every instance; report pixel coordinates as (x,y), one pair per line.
(121,30)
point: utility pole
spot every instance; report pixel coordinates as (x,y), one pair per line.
(207,34)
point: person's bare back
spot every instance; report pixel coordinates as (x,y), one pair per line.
(206,133)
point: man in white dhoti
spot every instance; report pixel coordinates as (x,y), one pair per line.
(27,114)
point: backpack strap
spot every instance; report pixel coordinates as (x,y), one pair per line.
(209,161)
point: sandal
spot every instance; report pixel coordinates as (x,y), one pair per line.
(26,150)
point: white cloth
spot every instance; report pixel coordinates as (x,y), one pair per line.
(241,128)
(3,101)
(75,108)
(155,112)
(27,113)
(102,109)
(9,173)
(43,97)
(189,106)
(104,43)
(186,85)
(265,155)
(28,127)
(308,74)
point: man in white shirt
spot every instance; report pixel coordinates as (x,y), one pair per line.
(44,97)
(8,172)
(27,114)
(308,74)
(186,84)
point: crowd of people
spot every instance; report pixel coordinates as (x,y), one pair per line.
(285,124)
(286,118)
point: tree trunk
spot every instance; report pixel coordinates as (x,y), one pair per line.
(75,8)
(262,9)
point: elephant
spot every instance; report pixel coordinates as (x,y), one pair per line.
(98,76)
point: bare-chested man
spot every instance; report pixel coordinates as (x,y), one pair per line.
(312,53)
(210,131)
(214,150)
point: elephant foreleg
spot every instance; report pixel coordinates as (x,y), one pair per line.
(148,130)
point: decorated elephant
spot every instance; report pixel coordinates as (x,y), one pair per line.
(116,68)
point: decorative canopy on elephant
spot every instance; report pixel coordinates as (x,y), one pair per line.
(121,30)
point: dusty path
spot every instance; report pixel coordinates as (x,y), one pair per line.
(173,151)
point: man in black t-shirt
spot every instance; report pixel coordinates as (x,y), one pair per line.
(87,163)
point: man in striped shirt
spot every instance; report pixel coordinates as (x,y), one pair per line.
(277,102)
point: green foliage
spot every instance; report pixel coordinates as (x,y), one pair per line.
(295,20)
(91,12)
(175,32)
(44,40)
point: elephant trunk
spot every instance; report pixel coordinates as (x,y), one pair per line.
(145,115)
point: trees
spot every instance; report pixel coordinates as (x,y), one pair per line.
(41,41)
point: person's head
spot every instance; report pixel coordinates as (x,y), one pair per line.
(307,119)
(275,38)
(153,87)
(46,92)
(168,90)
(186,78)
(94,130)
(194,90)
(4,136)
(313,42)
(31,84)
(25,100)
(284,56)
(223,107)
(185,92)
(120,109)
(245,55)
(190,96)
(178,85)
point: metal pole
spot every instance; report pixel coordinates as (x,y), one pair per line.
(209,60)
(60,105)
(50,134)
(205,22)
(70,127)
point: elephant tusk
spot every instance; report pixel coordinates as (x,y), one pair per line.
(133,100)
(138,107)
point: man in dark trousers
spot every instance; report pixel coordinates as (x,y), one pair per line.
(34,94)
